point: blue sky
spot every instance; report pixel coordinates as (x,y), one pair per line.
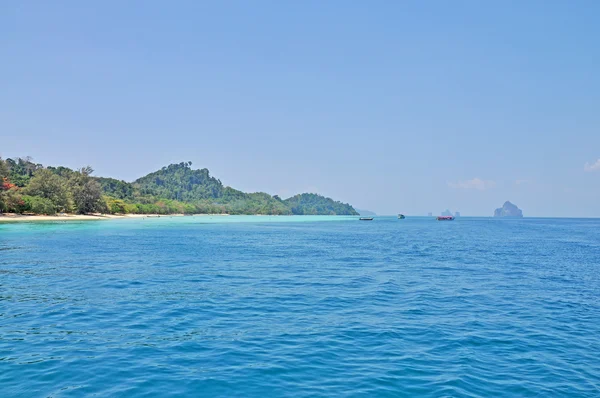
(392,106)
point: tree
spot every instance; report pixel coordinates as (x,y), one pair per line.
(10,198)
(64,172)
(117,189)
(3,169)
(48,185)
(39,205)
(116,206)
(21,170)
(86,192)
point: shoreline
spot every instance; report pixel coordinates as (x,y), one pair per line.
(9,218)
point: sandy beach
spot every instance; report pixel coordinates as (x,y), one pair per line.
(74,217)
(10,217)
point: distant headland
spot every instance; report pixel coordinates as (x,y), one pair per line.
(366,212)
(508,210)
(30,188)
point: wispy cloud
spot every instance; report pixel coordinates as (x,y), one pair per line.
(589,167)
(475,183)
(520,182)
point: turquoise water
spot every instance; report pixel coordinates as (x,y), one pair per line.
(294,306)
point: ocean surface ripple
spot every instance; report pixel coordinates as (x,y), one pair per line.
(276,306)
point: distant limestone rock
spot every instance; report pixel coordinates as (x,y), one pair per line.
(508,210)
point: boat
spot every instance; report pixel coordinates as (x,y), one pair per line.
(366,219)
(401,217)
(444,218)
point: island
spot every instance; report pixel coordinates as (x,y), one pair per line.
(30,188)
(508,210)
(366,213)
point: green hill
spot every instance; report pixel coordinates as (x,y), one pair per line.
(180,182)
(176,188)
(313,204)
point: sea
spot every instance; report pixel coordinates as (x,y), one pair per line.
(290,306)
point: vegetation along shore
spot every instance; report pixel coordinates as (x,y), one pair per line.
(30,188)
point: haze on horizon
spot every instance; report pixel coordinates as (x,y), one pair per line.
(391,106)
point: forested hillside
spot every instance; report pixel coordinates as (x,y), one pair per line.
(313,204)
(28,187)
